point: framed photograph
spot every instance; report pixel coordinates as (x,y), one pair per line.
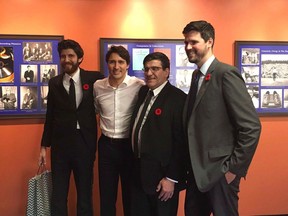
(264,67)
(180,68)
(27,62)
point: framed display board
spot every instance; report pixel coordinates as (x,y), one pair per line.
(264,67)
(27,62)
(180,68)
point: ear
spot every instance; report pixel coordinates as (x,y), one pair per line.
(80,60)
(167,72)
(210,42)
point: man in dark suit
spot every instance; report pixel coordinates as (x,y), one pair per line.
(29,75)
(222,128)
(157,138)
(70,130)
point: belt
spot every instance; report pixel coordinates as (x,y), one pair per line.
(114,140)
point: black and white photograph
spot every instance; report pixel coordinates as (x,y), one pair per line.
(250,74)
(274,70)
(44,94)
(271,98)
(47,72)
(183,79)
(29,73)
(37,51)
(250,56)
(8,97)
(28,97)
(253,91)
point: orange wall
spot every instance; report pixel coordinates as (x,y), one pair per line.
(264,191)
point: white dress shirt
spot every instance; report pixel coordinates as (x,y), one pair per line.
(115,105)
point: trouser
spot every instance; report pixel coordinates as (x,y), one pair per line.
(115,160)
(79,159)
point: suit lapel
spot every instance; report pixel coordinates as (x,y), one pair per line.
(60,86)
(205,83)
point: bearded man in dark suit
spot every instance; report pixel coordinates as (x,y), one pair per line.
(70,130)
(158,145)
(221,125)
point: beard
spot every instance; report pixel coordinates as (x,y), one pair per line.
(196,56)
(69,68)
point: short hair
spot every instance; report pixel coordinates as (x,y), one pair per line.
(165,62)
(121,51)
(203,27)
(71,44)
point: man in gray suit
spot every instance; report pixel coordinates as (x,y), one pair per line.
(222,128)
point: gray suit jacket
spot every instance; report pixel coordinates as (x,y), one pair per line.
(223,129)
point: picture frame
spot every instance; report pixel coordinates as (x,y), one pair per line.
(27,62)
(264,68)
(180,68)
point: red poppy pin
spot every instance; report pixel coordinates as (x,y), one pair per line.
(158,111)
(85,86)
(208,77)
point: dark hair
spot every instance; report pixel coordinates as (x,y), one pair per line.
(165,62)
(121,51)
(204,28)
(70,44)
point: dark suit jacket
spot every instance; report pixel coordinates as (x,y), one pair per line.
(61,117)
(223,129)
(162,138)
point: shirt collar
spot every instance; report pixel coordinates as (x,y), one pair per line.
(123,84)
(159,88)
(76,76)
(207,64)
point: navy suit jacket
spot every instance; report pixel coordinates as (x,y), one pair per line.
(162,136)
(61,116)
(223,129)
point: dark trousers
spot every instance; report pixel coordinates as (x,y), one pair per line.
(144,204)
(221,200)
(76,158)
(115,160)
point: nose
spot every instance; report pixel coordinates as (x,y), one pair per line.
(148,72)
(188,46)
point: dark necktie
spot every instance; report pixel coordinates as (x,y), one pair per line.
(193,91)
(141,117)
(72,95)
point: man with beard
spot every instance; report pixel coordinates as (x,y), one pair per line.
(70,130)
(222,128)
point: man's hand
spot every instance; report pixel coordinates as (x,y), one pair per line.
(166,189)
(42,156)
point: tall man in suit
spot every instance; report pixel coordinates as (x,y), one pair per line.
(222,128)
(157,138)
(70,130)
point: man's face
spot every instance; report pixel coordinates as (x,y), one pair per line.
(154,74)
(69,61)
(117,67)
(197,50)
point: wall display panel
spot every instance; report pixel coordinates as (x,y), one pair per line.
(180,68)
(264,67)
(27,63)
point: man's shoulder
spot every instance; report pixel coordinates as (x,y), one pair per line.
(134,80)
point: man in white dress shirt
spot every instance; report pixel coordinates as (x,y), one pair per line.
(115,98)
